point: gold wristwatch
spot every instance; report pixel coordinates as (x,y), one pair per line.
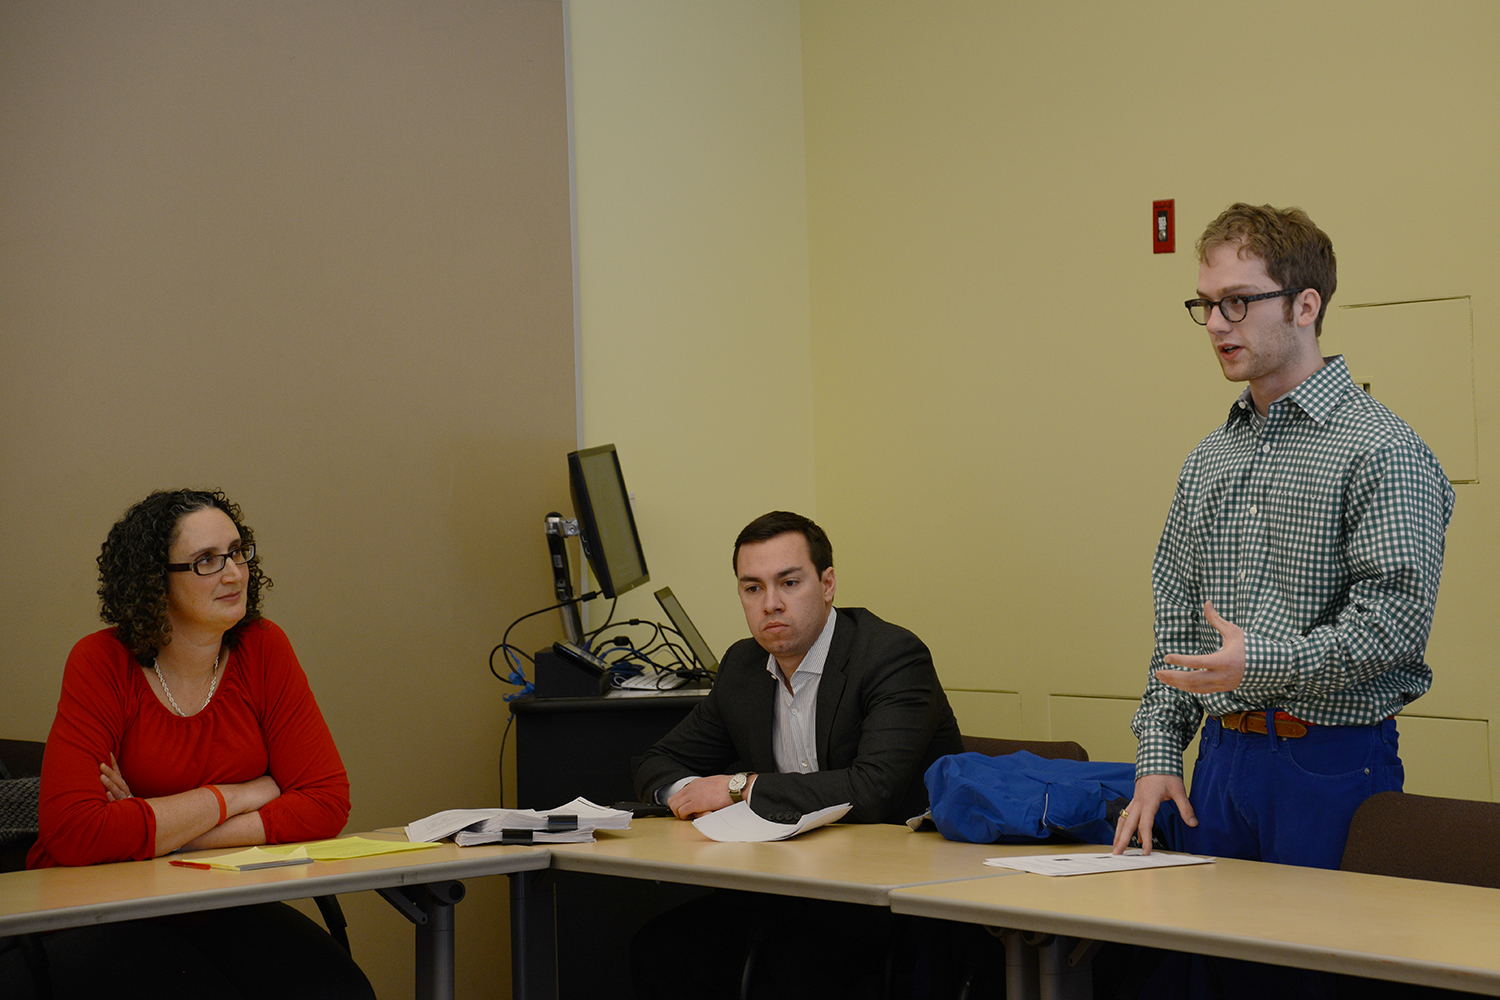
(737,785)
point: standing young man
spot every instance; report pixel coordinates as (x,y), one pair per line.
(1296,577)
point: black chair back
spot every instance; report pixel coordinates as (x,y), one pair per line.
(20,779)
(1048,749)
(1425,837)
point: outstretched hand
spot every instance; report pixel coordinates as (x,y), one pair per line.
(1221,671)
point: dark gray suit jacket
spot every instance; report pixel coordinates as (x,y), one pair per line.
(882,719)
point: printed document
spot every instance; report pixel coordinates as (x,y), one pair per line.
(1093,864)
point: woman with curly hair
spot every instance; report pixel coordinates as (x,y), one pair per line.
(190,724)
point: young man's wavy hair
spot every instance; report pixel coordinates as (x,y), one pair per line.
(133,569)
(1296,253)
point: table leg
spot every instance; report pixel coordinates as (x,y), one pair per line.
(430,908)
(1020,966)
(1065,969)
(533,935)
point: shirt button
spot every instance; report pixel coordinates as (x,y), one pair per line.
(1244,573)
(1254,511)
(794,711)
(1265,449)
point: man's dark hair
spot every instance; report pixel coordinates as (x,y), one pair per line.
(133,569)
(1296,253)
(782,522)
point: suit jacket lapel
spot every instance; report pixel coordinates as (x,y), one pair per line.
(760,703)
(831,687)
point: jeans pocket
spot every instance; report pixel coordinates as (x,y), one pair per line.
(1334,752)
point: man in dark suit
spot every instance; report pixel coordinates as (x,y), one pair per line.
(821,706)
(845,708)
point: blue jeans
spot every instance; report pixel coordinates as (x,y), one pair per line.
(1288,800)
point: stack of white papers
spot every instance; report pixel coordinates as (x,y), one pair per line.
(573,823)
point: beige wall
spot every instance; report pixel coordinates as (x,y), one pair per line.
(317,254)
(692,248)
(1003,384)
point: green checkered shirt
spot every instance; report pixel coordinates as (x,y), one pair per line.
(1320,533)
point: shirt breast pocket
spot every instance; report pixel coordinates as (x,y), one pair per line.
(1308,520)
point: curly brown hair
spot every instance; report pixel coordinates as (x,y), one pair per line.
(133,575)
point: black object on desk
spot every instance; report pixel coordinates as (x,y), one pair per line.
(566,747)
(568,675)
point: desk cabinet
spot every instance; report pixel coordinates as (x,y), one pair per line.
(567,747)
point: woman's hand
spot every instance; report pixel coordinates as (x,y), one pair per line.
(114,782)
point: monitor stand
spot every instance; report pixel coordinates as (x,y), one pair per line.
(559,528)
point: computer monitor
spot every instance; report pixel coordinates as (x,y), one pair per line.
(606,523)
(684,625)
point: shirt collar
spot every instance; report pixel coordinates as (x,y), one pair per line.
(1317,395)
(816,657)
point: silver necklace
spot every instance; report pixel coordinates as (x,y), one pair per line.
(213,683)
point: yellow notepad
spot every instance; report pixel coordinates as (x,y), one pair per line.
(344,848)
(278,855)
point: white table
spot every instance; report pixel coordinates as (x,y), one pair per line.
(423,884)
(1429,933)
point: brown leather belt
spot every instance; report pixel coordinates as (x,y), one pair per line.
(1255,722)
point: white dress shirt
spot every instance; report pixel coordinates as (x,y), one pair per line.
(794,724)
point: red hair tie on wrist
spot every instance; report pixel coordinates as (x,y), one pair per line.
(223,806)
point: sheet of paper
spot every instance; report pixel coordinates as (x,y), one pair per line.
(1093,864)
(739,824)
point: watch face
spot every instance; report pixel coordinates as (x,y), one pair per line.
(737,785)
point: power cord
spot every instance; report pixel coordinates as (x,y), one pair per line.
(514,656)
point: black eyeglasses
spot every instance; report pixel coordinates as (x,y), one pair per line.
(213,562)
(1231,307)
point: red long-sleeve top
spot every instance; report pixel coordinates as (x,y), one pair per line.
(262,720)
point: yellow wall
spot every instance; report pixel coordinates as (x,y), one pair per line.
(980,187)
(692,247)
(317,254)
(1003,382)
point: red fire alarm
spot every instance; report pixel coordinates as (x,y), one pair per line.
(1163,227)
